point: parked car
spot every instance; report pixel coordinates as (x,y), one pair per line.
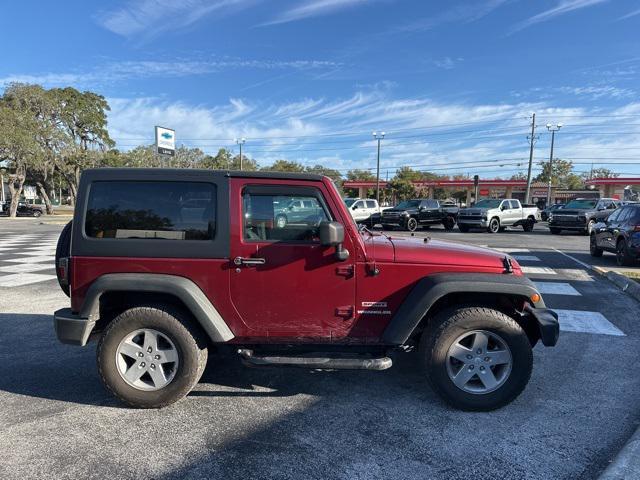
(411,214)
(581,214)
(364,211)
(157,291)
(619,233)
(302,210)
(23,210)
(495,215)
(544,214)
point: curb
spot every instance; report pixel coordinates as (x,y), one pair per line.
(622,282)
(626,465)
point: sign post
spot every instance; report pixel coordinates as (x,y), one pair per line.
(165,141)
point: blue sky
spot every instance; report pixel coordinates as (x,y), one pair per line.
(452,83)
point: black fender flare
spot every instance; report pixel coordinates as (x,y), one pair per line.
(430,289)
(188,292)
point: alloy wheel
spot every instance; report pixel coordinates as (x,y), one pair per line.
(412,224)
(147,359)
(479,362)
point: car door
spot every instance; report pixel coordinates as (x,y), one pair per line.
(605,230)
(359,211)
(283,283)
(372,208)
(515,213)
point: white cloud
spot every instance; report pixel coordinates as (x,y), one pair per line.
(463,13)
(149,17)
(563,7)
(119,71)
(314,8)
(630,14)
(597,92)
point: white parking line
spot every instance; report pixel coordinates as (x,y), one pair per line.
(543,270)
(25,268)
(587,322)
(556,288)
(526,258)
(511,250)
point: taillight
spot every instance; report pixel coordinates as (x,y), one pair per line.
(636,228)
(63,270)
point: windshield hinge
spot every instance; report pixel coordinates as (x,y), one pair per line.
(508,266)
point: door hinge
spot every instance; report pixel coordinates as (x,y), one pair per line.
(345,312)
(345,271)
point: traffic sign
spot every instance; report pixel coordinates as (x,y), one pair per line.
(165,141)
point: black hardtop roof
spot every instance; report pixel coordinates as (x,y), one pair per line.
(108,173)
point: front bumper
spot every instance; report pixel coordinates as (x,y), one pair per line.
(547,323)
(71,328)
(475,222)
(568,226)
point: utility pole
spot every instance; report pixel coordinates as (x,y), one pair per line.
(553,129)
(378,137)
(531,138)
(240,142)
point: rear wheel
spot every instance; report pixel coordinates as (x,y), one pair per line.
(593,247)
(151,356)
(622,255)
(527,226)
(477,358)
(463,228)
(494,225)
(412,224)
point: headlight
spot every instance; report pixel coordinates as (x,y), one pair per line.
(550,217)
(405,214)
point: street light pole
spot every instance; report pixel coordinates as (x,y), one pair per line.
(240,142)
(378,137)
(553,129)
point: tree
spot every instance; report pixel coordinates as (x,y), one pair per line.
(284,166)
(519,176)
(562,169)
(83,117)
(599,173)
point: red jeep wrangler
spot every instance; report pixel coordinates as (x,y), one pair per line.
(162,265)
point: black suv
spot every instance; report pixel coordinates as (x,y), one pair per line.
(581,214)
(619,233)
(24,210)
(411,214)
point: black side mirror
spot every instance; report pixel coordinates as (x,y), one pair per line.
(355,207)
(332,235)
(503,208)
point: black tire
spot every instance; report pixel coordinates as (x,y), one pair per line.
(494,225)
(412,224)
(449,223)
(63,250)
(593,247)
(623,259)
(527,226)
(174,324)
(37,214)
(554,231)
(281,221)
(449,325)
(463,228)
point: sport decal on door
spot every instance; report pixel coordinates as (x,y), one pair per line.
(371,308)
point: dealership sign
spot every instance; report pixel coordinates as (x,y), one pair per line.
(165,141)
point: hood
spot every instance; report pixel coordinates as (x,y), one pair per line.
(412,250)
(473,211)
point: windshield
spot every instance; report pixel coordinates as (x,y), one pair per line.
(408,204)
(349,201)
(488,204)
(581,204)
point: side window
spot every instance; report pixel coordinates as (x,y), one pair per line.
(615,216)
(624,215)
(151,210)
(358,205)
(371,204)
(613,206)
(513,204)
(505,205)
(282,217)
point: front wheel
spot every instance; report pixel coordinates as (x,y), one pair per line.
(477,358)
(494,226)
(589,227)
(594,250)
(412,224)
(448,223)
(37,214)
(151,356)
(623,258)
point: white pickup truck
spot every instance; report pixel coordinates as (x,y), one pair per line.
(365,211)
(495,215)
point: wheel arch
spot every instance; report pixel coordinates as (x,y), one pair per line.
(432,294)
(112,293)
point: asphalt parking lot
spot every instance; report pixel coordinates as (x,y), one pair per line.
(581,406)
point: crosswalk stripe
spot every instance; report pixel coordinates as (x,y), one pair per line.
(533,270)
(587,322)
(511,250)
(556,288)
(20,279)
(526,258)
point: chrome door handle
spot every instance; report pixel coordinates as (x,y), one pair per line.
(251,261)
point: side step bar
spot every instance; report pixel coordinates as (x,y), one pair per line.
(328,363)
